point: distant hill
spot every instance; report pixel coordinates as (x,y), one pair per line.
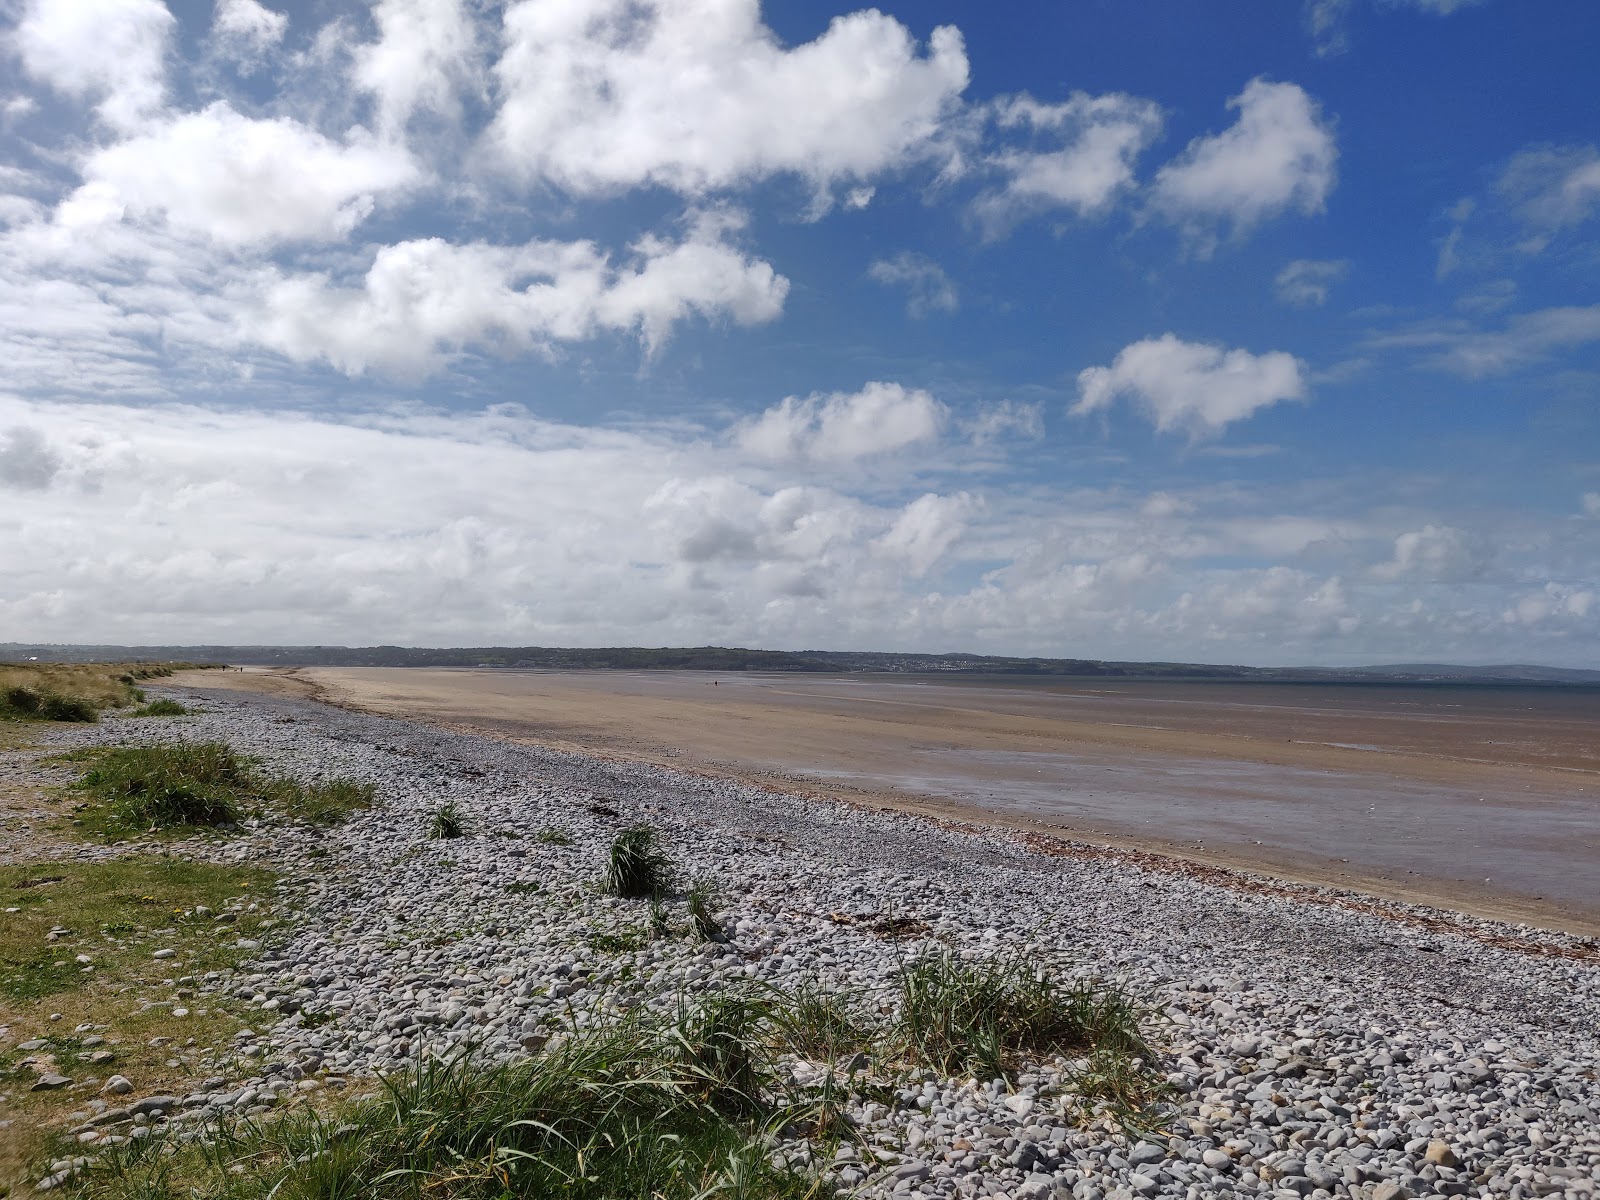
(730,659)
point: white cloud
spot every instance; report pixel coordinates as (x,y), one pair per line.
(696,95)
(110,50)
(1090,145)
(927,285)
(1525,339)
(1191,386)
(242,181)
(1005,419)
(426,54)
(1591,504)
(1279,155)
(1550,189)
(1306,281)
(843,426)
(925,531)
(245,30)
(161,522)
(1327,21)
(1436,552)
(425,299)
(26,461)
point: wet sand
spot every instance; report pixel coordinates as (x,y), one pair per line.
(1481,799)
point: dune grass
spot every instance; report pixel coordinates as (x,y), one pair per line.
(980,1015)
(447,822)
(73,691)
(190,785)
(653,1109)
(637,868)
(648,1106)
(163,707)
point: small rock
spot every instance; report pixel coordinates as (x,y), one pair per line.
(118,1085)
(1389,1190)
(1440,1154)
(163,954)
(49,1082)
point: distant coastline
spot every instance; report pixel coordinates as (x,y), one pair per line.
(723,658)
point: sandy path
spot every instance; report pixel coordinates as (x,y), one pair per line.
(1480,802)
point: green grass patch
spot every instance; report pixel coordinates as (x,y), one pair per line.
(22,703)
(637,868)
(551,836)
(116,914)
(641,1109)
(163,707)
(447,822)
(190,785)
(325,803)
(982,1015)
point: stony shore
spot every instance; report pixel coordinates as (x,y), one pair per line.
(1313,1049)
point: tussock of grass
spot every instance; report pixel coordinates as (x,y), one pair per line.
(982,1015)
(155,787)
(201,784)
(23,703)
(161,708)
(826,1026)
(551,836)
(637,868)
(447,822)
(324,803)
(706,927)
(673,1110)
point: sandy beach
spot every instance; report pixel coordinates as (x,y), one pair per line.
(1482,800)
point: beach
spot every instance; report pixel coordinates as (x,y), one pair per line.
(1479,799)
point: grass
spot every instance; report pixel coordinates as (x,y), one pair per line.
(161,708)
(329,802)
(118,914)
(73,691)
(22,703)
(706,927)
(672,1108)
(189,785)
(982,1015)
(637,868)
(552,836)
(682,1105)
(447,822)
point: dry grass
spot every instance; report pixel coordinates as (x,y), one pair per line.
(85,687)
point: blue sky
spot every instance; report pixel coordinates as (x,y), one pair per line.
(1261,332)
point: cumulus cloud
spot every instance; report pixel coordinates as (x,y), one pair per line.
(1081,155)
(426,54)
(698,95)
(424,299)
(1591,504)
(243,181)
(1306,281)
(843,426)
(1194,387)
(26,460)
(928,288)
(244,31)
(110,51)
(1279,155)
(1436,552)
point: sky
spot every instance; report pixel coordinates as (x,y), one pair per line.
(1260,331)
